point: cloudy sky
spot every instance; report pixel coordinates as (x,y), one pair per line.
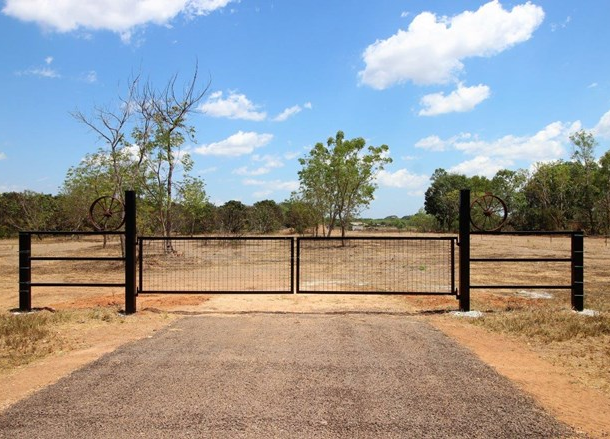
(469,86)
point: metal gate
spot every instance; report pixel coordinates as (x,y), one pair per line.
(376,265)
(354,265)
(216,265)
(285,265)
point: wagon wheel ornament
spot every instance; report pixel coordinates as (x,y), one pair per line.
(488,213)
(107,213)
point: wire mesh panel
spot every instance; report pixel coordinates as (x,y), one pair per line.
(219,265)
(390,265)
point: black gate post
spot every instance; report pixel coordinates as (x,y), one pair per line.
(464,290)
(130,252)
(297,268)
(25,272)
(578,288)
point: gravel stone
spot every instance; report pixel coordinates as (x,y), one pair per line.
(285,376)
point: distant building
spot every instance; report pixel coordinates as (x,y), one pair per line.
(357,227)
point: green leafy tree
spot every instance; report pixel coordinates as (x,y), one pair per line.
(233,217)
(299,215)
(442,198)
(338,179)
(95,176)
(586,193)
(423,222)
(549,195)
(508,185)
(193,202)
(602,182)
(266,216)
(160,133)
(29,210)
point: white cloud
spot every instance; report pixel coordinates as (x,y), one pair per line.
(550,143)
(461,100)
(432,143)
(414,183)
(288,112)
(119,16)
(90,77)
(240,143)
(43,72)
(235,106)
(435,143)
(432,49)
(291,155)
(481,165)
(2,156)
(547,144)
(563,25)
(593,85)
(602,129)
(269,162)
(244,170)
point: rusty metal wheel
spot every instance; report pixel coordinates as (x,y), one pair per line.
(107,213)
(488,213)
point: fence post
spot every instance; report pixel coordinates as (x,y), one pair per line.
(25,271)
(130,252)
(464,290)
(297,268)
(578,272)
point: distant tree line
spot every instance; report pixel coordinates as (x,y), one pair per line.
(558,195)
(25,211)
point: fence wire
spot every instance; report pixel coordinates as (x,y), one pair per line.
(392,265)
(229,265)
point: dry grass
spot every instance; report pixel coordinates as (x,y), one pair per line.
(30,336)
(581,343)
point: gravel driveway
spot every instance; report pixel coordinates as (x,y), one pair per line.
(284,375)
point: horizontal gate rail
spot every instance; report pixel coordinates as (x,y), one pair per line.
(576,261)
(26,269)
(64,233)
(69,258)
(520,259)
(376,265)
(225,265)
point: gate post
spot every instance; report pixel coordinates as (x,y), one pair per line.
(464,290)
(577,256)
(130,252)
(25,272)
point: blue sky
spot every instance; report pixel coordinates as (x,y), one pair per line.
(469,86)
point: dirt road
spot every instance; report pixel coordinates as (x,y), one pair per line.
(276,374)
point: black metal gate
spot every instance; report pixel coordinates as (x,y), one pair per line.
(353,265)
(285,265)
(376,265)
(216,265)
